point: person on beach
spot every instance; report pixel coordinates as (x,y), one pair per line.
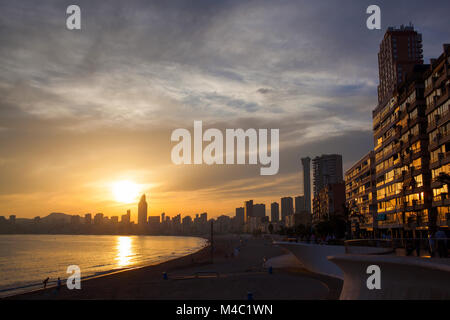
(45,282)
(58,284)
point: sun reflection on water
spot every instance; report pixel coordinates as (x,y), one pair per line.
(124,251)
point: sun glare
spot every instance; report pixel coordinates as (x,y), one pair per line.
(124,251)
(125,191)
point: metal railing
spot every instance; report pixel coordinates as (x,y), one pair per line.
(421,247)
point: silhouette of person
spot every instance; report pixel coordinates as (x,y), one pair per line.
(58,286)
(45,282)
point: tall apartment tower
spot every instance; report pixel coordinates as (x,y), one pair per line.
(287,207)
(437,96)
(248,210)
(307,182)
(400,51)
(327,170)
(240,215)
(274,212)
(299,204)
(142,211)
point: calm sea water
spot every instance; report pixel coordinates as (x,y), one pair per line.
(26,260)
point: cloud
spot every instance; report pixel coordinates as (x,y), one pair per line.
(95,104)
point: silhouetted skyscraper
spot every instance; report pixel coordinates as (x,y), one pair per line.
(299,204)
(327,170)
(88,218)
(259,210)
(287,207)
(142,211)
(275,212)
(400,51)
(307,182)
(248,210)
(240,215)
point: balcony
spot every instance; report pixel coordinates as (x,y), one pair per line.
(443,158)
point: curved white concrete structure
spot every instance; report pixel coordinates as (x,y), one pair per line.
(401,277)
(314,257)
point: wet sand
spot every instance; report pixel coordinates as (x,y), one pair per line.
(196,277)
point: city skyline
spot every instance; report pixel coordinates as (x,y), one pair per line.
(78,118)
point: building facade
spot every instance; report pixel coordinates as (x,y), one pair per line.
(400,51)
(259,210)
(306,162)
(437,87)
(300,204)
(248,205)
(287,207)
(142,211)
(329,202)
(402,158)
(360,194)
(327,169)
(274,212)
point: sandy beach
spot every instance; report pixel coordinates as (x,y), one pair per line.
(196,277)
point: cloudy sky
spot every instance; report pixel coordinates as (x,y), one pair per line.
(80,110)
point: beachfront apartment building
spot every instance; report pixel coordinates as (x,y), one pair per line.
(401,158)
(437,88)
(400,51)
(329,202)
(360,194)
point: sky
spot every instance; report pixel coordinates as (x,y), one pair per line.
(83,109)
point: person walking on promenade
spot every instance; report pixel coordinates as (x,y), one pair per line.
(431,245)
(441,243)
(417,245)
(45,282)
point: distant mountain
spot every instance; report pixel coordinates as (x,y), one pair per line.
(56,217)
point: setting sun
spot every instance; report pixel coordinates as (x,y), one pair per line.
(125,191)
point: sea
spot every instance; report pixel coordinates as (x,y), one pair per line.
(26,260)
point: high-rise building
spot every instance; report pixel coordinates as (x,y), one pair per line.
(437,95)
(275,212)
(361,195)
(154,220)
(76,219)
(126,218)
(88,218)
(287,207)
(329,202)
(142,211)
(248,210)
(327,169)
(307,182)
(300,204)
(114,219)
(402,158)
(400,51)
(240,215)
(12,219)
(259,210)
(98,218)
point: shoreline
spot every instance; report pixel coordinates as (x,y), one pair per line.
(196,277)
(172,263)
